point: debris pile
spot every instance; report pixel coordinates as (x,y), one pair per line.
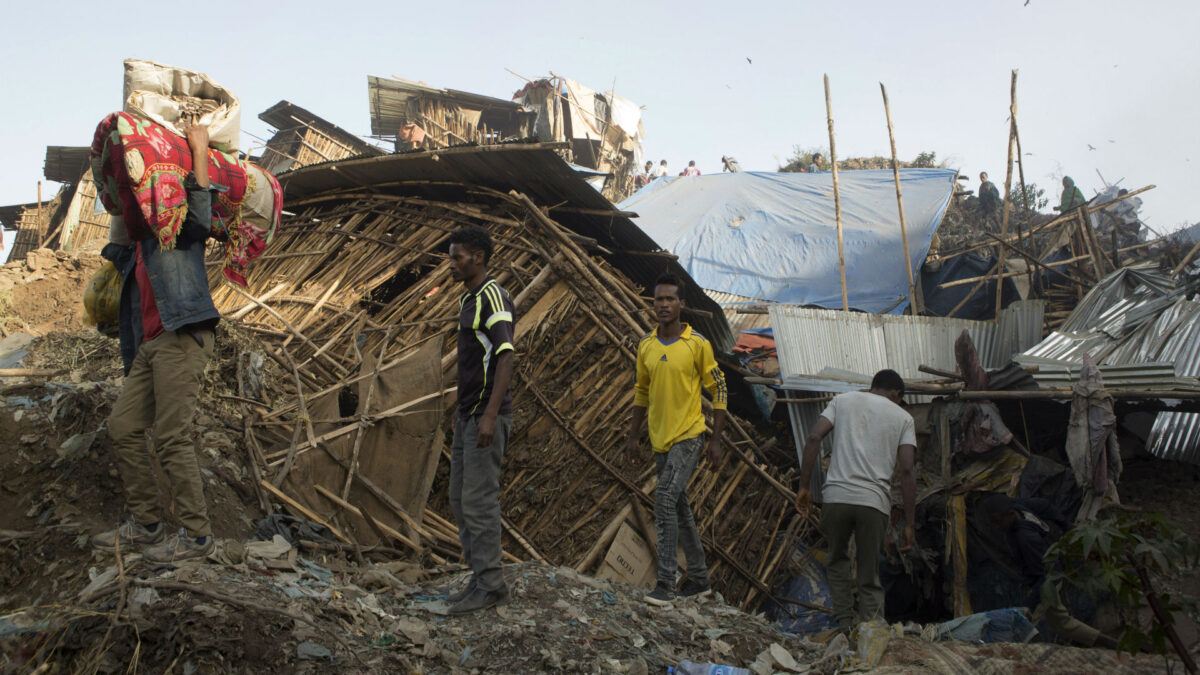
(313,614)
(42,290)
(359,306)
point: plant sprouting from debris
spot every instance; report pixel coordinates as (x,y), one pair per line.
(925,160)
(1122,557)
(1037,199)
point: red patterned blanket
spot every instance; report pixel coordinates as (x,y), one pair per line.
(141,167)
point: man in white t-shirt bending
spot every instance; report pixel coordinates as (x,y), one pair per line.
(871,434)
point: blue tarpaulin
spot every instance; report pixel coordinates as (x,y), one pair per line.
(773,236)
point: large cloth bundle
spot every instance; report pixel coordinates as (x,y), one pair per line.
(173,96)
(141,167)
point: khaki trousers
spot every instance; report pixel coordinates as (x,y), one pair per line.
(160,393)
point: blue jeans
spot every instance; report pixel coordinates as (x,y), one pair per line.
(673,514)
(475,497)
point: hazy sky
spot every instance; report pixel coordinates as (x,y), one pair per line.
(1121,77)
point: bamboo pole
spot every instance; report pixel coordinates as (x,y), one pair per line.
(913,299)
(303,510)
(1012,128)
(837,198)
(1024,198)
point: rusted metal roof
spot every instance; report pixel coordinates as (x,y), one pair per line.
(65,164)
(389,102)
(287,115)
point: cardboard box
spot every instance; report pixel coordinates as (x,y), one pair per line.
(630,559)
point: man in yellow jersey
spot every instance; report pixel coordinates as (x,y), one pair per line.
(672,364)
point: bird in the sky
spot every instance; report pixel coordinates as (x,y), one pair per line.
(1111,141)
(1026,3)
(749,61)
(1091,147)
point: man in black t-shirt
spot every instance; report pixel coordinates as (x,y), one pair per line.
(485,367)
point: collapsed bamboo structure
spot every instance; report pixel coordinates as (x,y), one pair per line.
(357,280)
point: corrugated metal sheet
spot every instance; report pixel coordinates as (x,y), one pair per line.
(1137,324)
(812,340)
(738,322)
(834,351)
(534,169)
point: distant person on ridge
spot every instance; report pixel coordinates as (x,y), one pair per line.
(873,438)
(816,164)
(673,362)
(661,171)
(645,176)
(989,199)
(1072,196)
(691,169)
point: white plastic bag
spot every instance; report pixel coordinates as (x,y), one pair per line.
(163,94)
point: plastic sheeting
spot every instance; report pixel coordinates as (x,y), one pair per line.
(773,235)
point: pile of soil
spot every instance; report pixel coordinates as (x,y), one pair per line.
(44,291)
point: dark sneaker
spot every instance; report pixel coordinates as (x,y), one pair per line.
(457,596)
(130,534)
(661,596)
(180,547)
(478,599)
(695,589)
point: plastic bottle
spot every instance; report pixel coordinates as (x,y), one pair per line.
(691,668)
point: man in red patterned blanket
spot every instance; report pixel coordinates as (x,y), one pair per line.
(166,300)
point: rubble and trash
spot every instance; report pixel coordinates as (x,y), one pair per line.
(1040,360)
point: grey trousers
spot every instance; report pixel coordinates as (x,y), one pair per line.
(868,526)
(673,514)
(475,497)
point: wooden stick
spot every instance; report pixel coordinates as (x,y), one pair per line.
(1186,259)
(1034,262)
(1012,125)
(1124,394)
(1057,221)
(521,539)
(303,510)
(328,494)
(31,372)
(603,541)
(1024,196)
(366,409)
(913,298)
(270,310)
(337,433)
(991,275)
(837,197)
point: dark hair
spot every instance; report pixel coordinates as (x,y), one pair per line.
(474,239)
(692,163)
(888,380)
(668,279)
